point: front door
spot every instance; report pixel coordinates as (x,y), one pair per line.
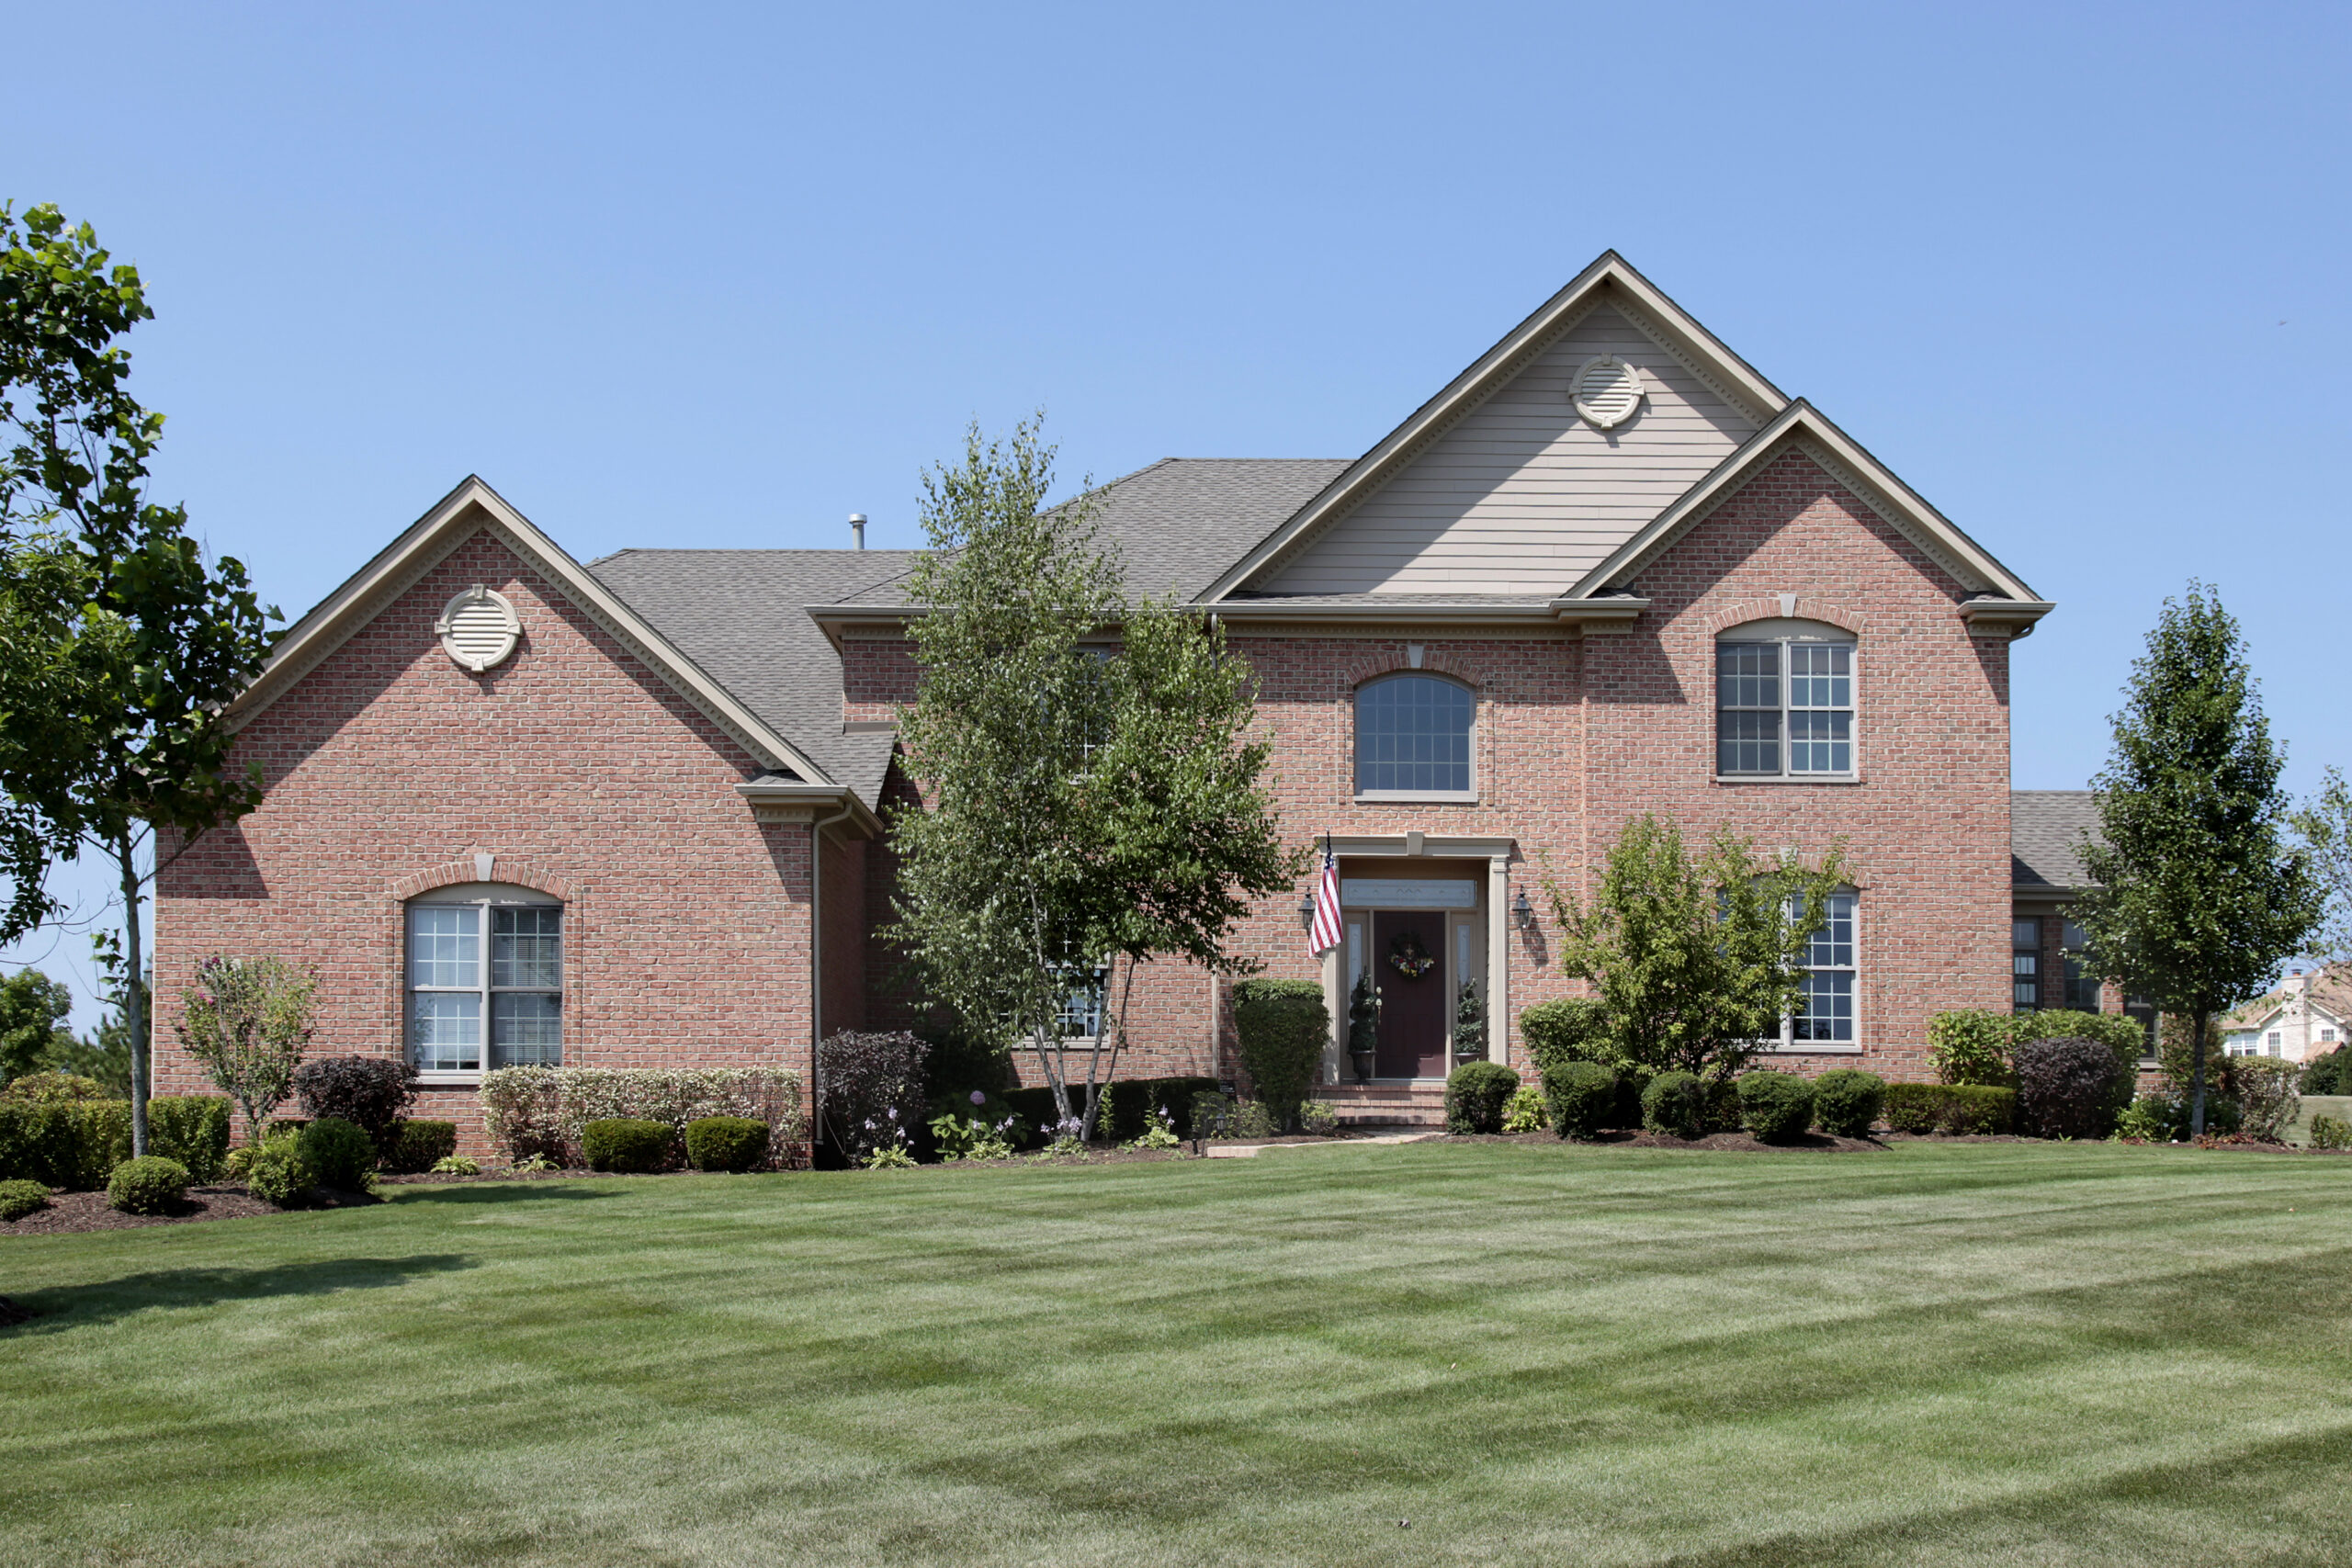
(1412,1008)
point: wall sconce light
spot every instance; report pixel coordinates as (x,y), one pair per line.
(1306,911)
(1522,911)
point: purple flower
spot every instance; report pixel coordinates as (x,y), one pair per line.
(979,1096)
(894,1113)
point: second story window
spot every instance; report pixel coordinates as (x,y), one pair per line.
(1784,701)
(1413,739)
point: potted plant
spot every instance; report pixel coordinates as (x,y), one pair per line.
(1469,1026)
(1363,1026)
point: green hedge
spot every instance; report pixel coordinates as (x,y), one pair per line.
(1847,1103)
(734,1144)
(192,1129)
(149,1185)
(1476,1094)
(1676,1103)
(18,1199)
(71,1144)
(1283,1026)
(1581,1096)
(1775,1107)
(408,1147)
(628,1145)
(1925,1107)
(1562,1031)
(341,1155)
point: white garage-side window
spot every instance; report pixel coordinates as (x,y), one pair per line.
(485,979)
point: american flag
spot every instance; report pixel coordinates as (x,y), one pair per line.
(1325,936)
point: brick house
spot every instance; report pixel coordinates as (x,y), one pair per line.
(629,812)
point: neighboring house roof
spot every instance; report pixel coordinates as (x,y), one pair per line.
(2046,831)
(2331,997)
(737,614)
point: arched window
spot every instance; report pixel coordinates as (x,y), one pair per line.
(485,979)
(1413,738)
(1784,701)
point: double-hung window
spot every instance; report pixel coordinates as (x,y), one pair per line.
(485,983)
(1828,987)
(1784,703)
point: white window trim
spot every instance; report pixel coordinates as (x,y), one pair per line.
(1853,774)
(1788,1044)
(1436,797)
(482,903)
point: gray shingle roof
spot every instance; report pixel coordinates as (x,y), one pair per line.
(737,613)
(2046,829)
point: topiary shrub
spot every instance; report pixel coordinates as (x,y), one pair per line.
(152,1185)
(1846,1102)
(1582,1098)
(341,1155)
(370,1092)
(2066,1087)
(18,1199)
(1675,1103)
(627,1144)
(871,1093)
(192,1129)
(727,1142)
(1475,1093)
(279,1172)
(1775,1107)
(1283,1026)
(408,1147)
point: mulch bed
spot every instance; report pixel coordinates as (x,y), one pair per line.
(71,1211)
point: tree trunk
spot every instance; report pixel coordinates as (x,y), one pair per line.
(2197,1079)
(134,993)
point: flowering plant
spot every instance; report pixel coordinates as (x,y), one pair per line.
(1408,957)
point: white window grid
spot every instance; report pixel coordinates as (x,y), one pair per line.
(469,998)
(1829,966)
(1785,708)
(1414,738)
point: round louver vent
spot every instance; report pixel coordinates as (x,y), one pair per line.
(1607,391)
(479,628)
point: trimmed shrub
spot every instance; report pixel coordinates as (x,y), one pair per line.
(1476,1094)
(1582,1098)
(1913,1107)
(370,1092)
(1923,1108)
(872,1089)
(2328,1073)
(152,1185)
(1316,1117)
(1525,1111)
(409,1147)
(2327,1133)
(192,1129)
(68,1144)
(2066,1087)
(18,1199)
(1255,1119)
(1566,1029)
(628,1145)
(1775,1107)
(1968,1045)
(2266,1098)
(2122,1035)
(341,1155)
(1283,1026)
(53,1088)
(727,1142)
(1846,1101)
(279,1172)
(1675,1103)
(540,1111)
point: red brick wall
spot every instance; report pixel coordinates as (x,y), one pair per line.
(388,767)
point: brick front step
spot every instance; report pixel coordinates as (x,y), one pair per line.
(1393,1103)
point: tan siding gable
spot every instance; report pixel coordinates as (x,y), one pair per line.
(1521,495)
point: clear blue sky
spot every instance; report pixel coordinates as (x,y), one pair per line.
(719,276)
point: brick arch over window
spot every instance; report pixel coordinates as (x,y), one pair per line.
(1808,607)
(1396,661)
(1407,747)
(513,873)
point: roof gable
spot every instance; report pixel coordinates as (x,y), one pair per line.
(473,507)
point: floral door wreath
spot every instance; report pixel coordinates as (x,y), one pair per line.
(1408,957)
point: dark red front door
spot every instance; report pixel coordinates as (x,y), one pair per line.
(1412,1011)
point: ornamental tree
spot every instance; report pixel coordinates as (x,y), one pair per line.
(1093,801)
(121,643)
(248,1020)
(2198,898)
(1693,960)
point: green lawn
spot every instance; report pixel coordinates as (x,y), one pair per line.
(1971,1354)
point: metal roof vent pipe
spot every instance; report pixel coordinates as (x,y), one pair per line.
(857,527)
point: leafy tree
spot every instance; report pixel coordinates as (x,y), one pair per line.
(1088,803)
(248,1021)
(33,1011)
(120,645)
(1693,961)
(2198,899)
(2324,825)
